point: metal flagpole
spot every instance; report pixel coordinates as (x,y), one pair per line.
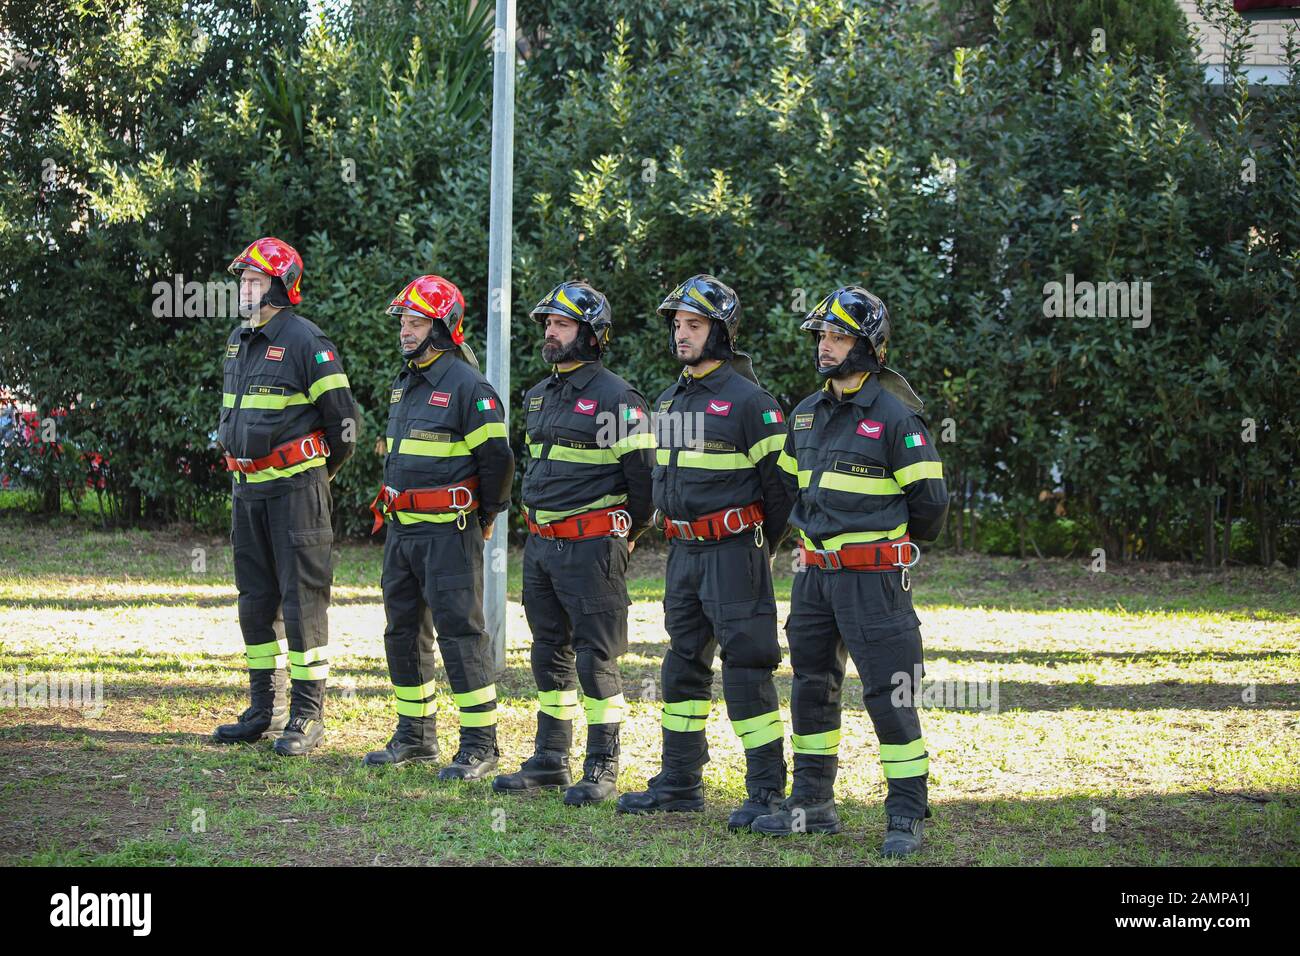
(498,333)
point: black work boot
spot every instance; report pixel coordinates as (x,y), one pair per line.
(471,763)
(544,769)
(799,816)
(759,803)
(903,836)
(300,737)
(415,739)
(599,781)
(669,791)
(267,713)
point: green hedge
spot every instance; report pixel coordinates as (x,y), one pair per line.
(786,146)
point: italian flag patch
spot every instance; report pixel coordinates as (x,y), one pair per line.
(632,414)
(485,404)
(323,357)
(773,417)
(914,440)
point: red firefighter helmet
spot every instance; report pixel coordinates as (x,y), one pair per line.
(277,259)
(435,298)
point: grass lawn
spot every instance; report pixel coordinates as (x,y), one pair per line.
(1148,715)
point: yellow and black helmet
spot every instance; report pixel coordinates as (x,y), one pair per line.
(710,297)
(578,301)
(852,310)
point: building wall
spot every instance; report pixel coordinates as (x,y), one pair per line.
(1266,62)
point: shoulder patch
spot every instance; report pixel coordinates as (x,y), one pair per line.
(803,421)
(485,404)
(773,416)
(913,440)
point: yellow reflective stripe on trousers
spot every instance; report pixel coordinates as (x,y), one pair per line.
(633,442)
(904,760)
(415,708)
(278,646)
(481,434)
(560,704)
(418,692)
(761,449)
(858,484)
(268,663)
(922,469)
(325,383)
(473,697)
(855,537)
(686,715)
(826,743)
(756,731)
(711,460)
(270,474)
(608,501)
(478,718)
(314,672)
(607,710)
(309,656)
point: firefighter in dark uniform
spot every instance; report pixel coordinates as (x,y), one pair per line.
(447,475)
(869,485)
(288,423)
(725,503)
(587,496)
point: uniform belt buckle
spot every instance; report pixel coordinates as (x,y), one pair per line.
(898,553)
(456,503)
(739,517)
(244,465)
(831,559)
(621,522)
(387,494)
(684,529)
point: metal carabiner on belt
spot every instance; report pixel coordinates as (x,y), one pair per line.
(620,522)
(906,566)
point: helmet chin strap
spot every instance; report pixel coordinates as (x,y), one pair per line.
(432,338)
(717,345)
(861,358)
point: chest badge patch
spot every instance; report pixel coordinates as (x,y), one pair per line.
(232,350)
(803,422)
(665,405)
(396,397)
(585,406)
(275,353)
(869,429)
(441,399)
(535,403)
(719,408)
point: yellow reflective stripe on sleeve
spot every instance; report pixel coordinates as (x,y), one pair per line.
(227,400)
(761,449)
(535,449)
(473,697)
(315,672)
(855,537)
(415,693)
(826,743)
(325,383)
(858,484)
(632,442)
(805,478)
(608,710)
(432,449)
(787,464)
(481,434)
(582,456)
(756,731)
(922,469)
(273,402)
(608,501)
(309,656)
(415,708)
(270,474)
